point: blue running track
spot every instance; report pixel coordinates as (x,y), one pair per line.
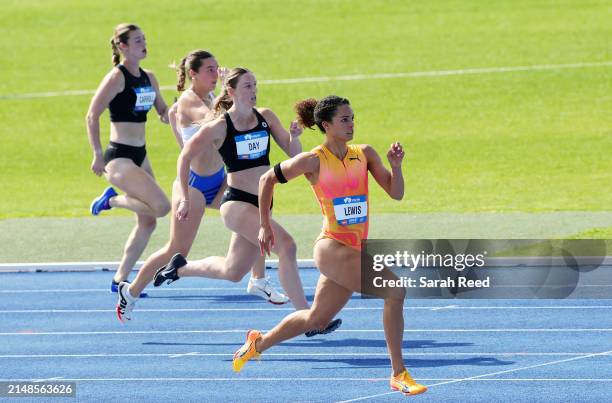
(178,347)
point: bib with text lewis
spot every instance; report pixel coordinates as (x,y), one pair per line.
(351,209)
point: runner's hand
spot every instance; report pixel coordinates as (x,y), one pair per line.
(222,73)
(395,155)
(294,129)
(182,211)
(266,240)
(97,165)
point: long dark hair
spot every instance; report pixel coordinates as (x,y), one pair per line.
(310,112)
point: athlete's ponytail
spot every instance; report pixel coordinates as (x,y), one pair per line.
(305,112)
(310,112)
(121,35)
(224,101)
(116,58)
(180,72)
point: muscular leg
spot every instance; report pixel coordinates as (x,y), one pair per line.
(142,194)
(393,323)
(141,190)
(241,255)
(243,218)
(330,297)
(258,270)
(340,268)
(135,245)
(182,235)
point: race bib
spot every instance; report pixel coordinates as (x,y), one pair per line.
(351,209)
(251,146)
(145,97)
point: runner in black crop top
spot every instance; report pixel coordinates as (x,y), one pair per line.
(246,149)
(129,92)
(136,99)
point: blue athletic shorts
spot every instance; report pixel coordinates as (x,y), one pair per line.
(208,185)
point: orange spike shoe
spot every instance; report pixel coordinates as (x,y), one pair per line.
(405,384)
(247,351)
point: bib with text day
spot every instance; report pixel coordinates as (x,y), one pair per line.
(252,145)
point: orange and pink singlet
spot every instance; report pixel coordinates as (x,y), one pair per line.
(342,192)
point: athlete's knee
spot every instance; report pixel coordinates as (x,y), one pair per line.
(234,276)
(286,246)
(232,272)
(161,207)
(114,177)
(317,320)
(231,221)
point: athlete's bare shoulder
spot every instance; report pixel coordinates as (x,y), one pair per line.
(308,163)
(367,150)
(113,81)
(189,99)
(115,73)
(267,114)
(309,160)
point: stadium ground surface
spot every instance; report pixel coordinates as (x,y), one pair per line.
(62,327)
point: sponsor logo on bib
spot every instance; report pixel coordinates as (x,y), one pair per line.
(145,97)
(252,145)
(351,209)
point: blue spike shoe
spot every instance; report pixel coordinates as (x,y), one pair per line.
(102,202)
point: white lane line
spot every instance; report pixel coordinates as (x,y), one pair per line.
(487,375)
(439,308)
(237,289)
(354,77)
(365,308)
(131,332)
(438,73)
(538,307)
(234,379)
(194,353)
(57,378)
(407,353)
(535,379)
(152,291)
(176,310)
(295,379)
(64,267)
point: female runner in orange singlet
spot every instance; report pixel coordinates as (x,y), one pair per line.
(338,174)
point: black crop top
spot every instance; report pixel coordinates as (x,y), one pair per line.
(133,103)
(246,149)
